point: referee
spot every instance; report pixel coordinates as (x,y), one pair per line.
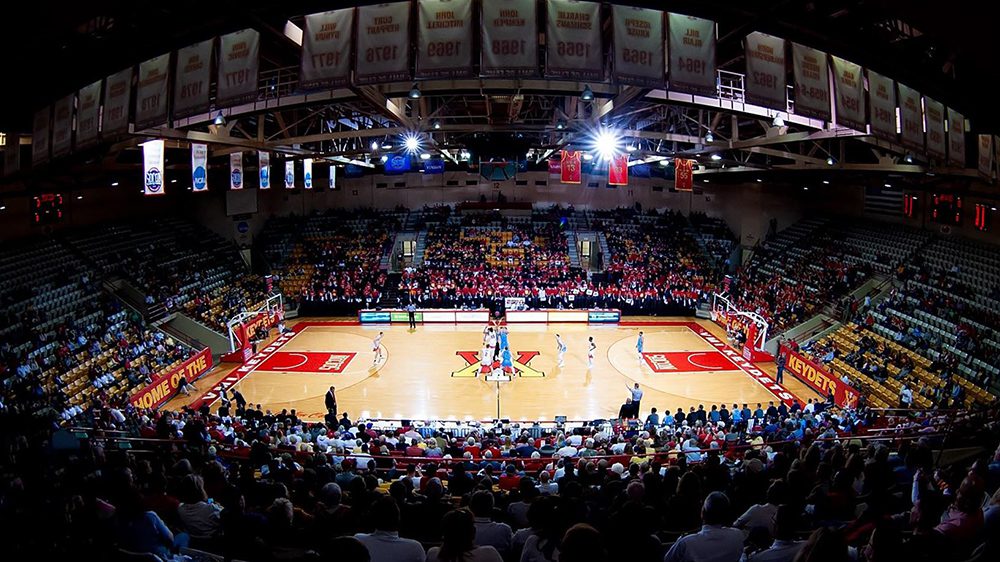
(411,311)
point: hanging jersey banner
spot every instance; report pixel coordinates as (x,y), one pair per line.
(264,169)
(956,138)
(684,174)
(307,173)
(510,38)
(199,167)
(289,174)
(152,170)
(236,170)
(151,93)
(239,63)
(88,114)
(333,176)
(117,101)
(811,69)
(934,111)
(691,54)
(766,81)
(849,89)
(40,135)
(986,156)
(573,40)
(570,170)
(444,41)
(618,170)
(383,53)
(62,126)
(326,50)
(638,46)
(882,99)
(911,118)
(191,77)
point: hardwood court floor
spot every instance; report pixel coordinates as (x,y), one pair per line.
(427,373)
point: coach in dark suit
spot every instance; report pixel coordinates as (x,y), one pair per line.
(331,401)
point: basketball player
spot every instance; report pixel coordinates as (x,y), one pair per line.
(491,342)
(560,351)
(506,362)
(590,352)
(486,360)
(377,348)
(638,345)
(503,337)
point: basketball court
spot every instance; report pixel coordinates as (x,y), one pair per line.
(433,372)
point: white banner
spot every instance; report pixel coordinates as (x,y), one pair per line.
(40,135)
(638,46)
(911,118)
(956,138)
(934,112)
(307,173)
(264,169)
(191,77)
(766,82)
(510,38)
(383,43)
(573,40)
(986,156)
(199,167)
(88,114)
(151,94)
(691,55)
(444,38)
(289,174)
(849,89)
(812,82)
(236,170)
(62,125)
(882,99)
(152,170)
(117,101)
(333,176)
(326,50)
(239,63)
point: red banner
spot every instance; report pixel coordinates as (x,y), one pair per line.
(164,387)
(683,174)
(555,167)
(570,170)
(819,379)
(618,170)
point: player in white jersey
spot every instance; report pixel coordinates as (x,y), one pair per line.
(590,353)
(377,347)
(560,351)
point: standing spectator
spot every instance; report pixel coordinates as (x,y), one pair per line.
(780,375)
(330,401)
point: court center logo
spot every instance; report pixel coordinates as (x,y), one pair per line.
(521,364)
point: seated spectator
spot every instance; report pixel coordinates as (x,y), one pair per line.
(715,541)
(458,541)
(385,544)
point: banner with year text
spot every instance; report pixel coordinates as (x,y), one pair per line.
(117,101)
(444,38)
(326,50)
(638,46)
(239,65)
(573,40)
(811,68)
(151,93)
(191,77)
(88,114)
(510,38)
(882,99)
(383,53)
(956,138)
(766,81)
(691,55)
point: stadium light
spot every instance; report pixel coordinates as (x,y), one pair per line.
(560,125)
(606,143)
(710,137)
(587,94)
(374,146)
(385,158)
(3,207)
(759,180)
(411,141)
(425,156)
(386,146)
(716,157)
(805,188)
(630,148)
(830,161)
(78,197)
(220,119)
(587,156)
(414,92)
(887,184)
(436,124)
(908,158)
(664,162)
(114,184)
(778,121)
(826,182)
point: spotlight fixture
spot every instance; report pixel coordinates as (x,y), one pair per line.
(826,182)
(710,137)
(630,148)
(664,162)
(414,93)
(425,156)
(3,207)
(374,146)
(606,143)
(78,197)
(716,157)
(887,184)
(587,94)
(436,124)
(560,125)
(114,184)
(830,161)
(908,158)
(386,146)
(220,119)
(411,141)
(759,180)
(778,121)
(587,156)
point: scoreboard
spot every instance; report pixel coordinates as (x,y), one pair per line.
(47,208)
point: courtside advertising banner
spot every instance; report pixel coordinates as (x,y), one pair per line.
(88,114)
(638,46)
(986,156)
(236,170)
(766,81)
(911,118)
(811,68)
(151,94)
(117,101)
(573,40)
(152,169)
(289,174)
(264,169)
(239,64)
(882,98)
(163,387)
(510,38)
(444,41)
(850,94)
(199,167)
(383,43)
(618,169)
(40,135)
(934,111)
(691,55)
(956,138)
(326,50)
(819,379)
(307,173)
(62,125)
(192,74)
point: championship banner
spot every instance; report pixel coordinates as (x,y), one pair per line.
(326,50)
(163,387)
(199,167)
(766,81)
(911,118)
(986,156)
(62,126)
(849,89)
(383,53)
(618,170)
(934,111)
(956,138)
(239,63)
(289,174)
(691,50)
(444,38)
(151,94)
(192,74)
(264,169)
(307,173)
(570,170)
(236,170)
(88,114)
(819,379)
(333,176)
(573,40)
(684,174)
(638,46)
(40,135)
(882,99)
(812,82)
(152,170)
(510,38)
(117,101)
